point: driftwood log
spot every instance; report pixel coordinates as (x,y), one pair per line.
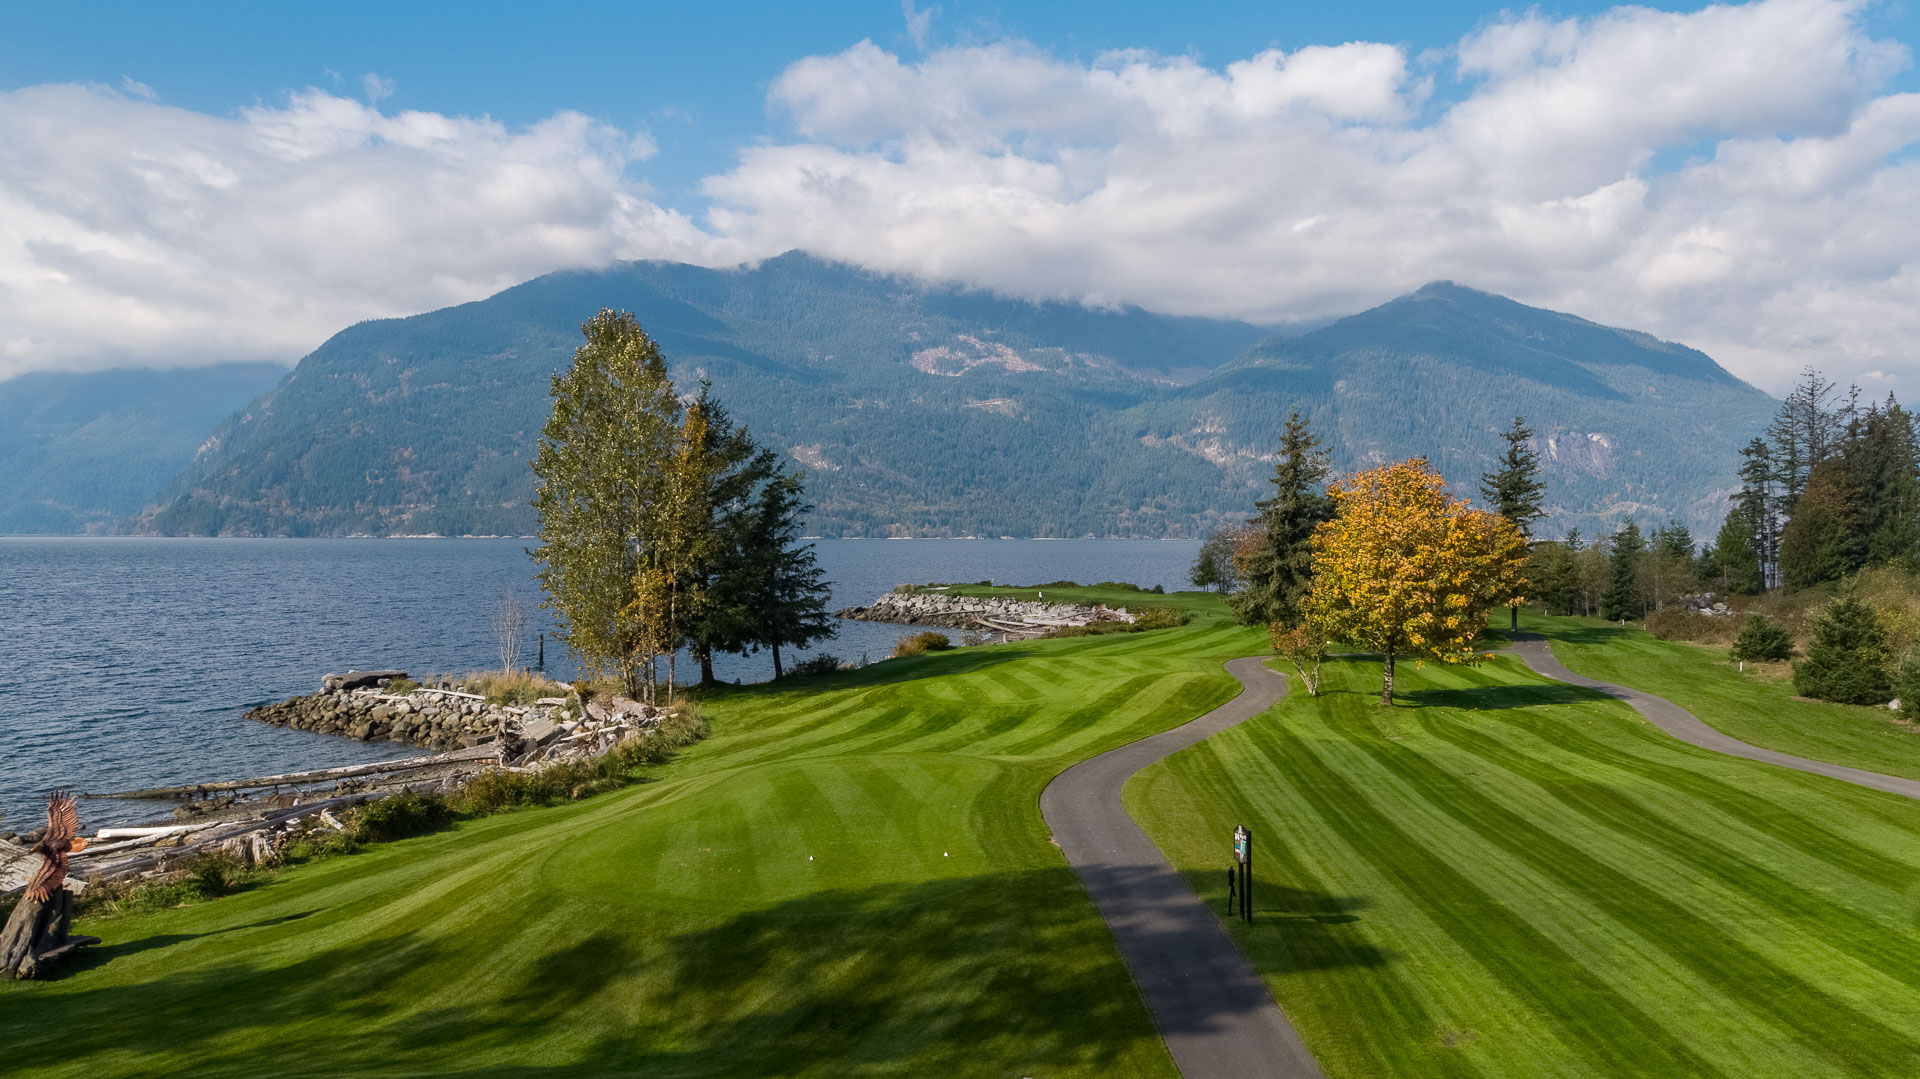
(356,679)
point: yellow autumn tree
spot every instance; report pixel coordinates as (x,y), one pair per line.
(1406,569)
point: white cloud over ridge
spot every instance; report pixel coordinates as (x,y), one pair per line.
(1738,178)
(132,232)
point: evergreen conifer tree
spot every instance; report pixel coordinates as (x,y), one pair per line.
(1622,600)
(1847,657)
(1824,540)
(1762,638)
(779,584)
(1276,570)
(1759,500)
(1514,490)
(1735,565)
(1886,472)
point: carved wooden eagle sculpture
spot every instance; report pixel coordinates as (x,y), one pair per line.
(62,839)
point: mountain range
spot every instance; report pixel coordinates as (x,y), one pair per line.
(83,452)
(918,409)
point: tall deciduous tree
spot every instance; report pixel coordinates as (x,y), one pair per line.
(1405,568)
(1276,570)
(1214,567)
(1514,490)
(602,468)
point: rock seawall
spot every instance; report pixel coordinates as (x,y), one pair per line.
(967,612)
(437,718)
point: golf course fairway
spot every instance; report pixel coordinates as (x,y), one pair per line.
(1505,876)
(850,877)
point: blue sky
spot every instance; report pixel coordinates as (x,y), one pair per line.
(238,181)
(693,74)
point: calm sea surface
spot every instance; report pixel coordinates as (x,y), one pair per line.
(126,663)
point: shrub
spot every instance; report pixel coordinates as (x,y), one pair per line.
(214,873)
(1906,687)
(1680,624)
(1847,658)
(1120,586)
(512,687)
(905,589)
(318,843)
(399,816)
(1056,584)
(824,663)
(1160,618)
(402,686)
(1763,639)
(918,644)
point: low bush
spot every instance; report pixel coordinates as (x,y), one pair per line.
(1056,584)
(512,687)
(317,843)
(1125,586)
(824,663)
(919,644)
(1906,687)
(1680,624)
(399,816)
(1762,640)
(905,589)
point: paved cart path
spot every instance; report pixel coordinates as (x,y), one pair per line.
(1684,725)
(1216,1015)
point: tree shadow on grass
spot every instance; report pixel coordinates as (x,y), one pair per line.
(999,974)
(935,664)
(1477,698)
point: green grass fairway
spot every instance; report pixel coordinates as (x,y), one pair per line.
(1752,707)
(1510,877)
(679,928)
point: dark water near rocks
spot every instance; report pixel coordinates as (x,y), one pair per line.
(126,663)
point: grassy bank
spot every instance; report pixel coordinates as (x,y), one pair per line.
(1506,877)
(1757,706)
(849,877)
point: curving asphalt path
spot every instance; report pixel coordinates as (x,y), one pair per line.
(1684,725)
(1213,1011)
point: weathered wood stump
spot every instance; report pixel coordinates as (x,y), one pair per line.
(37,935)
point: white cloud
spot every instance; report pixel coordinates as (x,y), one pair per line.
(1738,178)
(1305,183)
(135,232)
(377,88)
(919,23)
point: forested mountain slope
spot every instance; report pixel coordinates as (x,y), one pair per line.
(78,451)
(922,410)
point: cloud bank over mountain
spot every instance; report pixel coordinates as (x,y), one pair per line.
(1738,178)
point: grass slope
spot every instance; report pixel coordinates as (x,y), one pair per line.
(1510,877)
(679,928)
(1757,706)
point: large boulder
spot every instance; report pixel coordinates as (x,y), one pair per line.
(358,679)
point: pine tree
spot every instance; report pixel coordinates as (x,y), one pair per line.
(1277,569)
(1847,657)
(1887,476)
(724,477)
(1736,566)
(1622,600)
(1762,638)
(1551,578)
(1514,490)
(1805,433)
(1759,500)
(1824,539)
(779,581)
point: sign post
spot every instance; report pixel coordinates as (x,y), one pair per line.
(1243,863)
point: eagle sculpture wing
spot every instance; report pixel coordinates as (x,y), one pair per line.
(63,830)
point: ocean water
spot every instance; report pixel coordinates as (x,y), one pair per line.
(126,663)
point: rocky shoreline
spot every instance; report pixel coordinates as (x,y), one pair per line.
(360,706)
(921,608)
